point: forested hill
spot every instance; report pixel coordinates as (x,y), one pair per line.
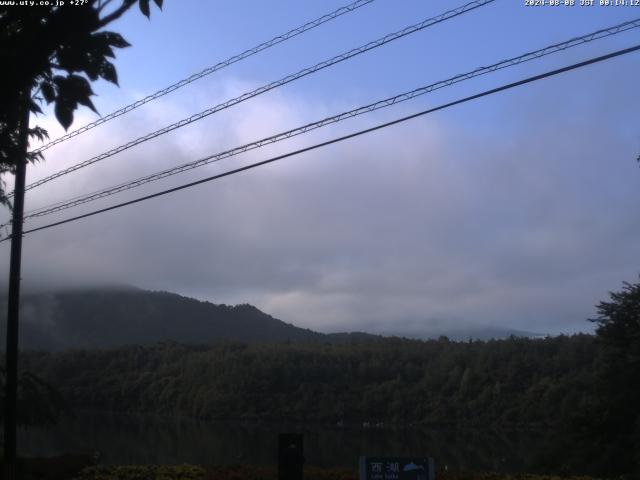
(105,317)
(108,317)
(517,382)
(557,385)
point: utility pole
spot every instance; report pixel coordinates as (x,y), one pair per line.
(13,310)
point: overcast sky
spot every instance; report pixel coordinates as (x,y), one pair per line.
(521,209)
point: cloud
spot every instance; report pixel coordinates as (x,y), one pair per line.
(527,224)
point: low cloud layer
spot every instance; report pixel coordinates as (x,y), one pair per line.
(438,221)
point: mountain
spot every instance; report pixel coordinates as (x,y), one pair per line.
(103,317)
(107,317)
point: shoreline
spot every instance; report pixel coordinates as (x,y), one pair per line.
(79,467)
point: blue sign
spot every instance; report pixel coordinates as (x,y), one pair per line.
(397,468)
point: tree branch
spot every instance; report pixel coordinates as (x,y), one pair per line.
(102,4)
(117,13)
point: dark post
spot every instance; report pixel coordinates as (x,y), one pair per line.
(290,456)
(11,364)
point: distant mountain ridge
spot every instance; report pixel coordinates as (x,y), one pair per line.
(113,316)
(108,317)
(464,333)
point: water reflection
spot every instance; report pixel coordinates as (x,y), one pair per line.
(141,439)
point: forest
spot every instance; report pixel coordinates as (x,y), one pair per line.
(582,390)
(517,382)
(540,385)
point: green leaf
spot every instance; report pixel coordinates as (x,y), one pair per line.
(86,101)
(144,8)
(48,91)
(33,157)
(72,90)
(64,114)
(109,53)
(158,3)
(88,56)
(34,133)
(78,90)
(113,38)
(39,133)
(76,83)
(108,72)
(59,81)
(34,107)
(92,69)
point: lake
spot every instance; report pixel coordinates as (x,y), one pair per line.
(141,439)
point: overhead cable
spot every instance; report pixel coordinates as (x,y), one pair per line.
(340,139)
(209,70)
(79,200)
(270,86)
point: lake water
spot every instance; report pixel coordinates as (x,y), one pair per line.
(138,439)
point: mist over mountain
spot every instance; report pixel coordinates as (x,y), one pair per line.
(107,317)
(112,316)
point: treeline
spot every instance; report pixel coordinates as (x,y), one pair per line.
(582,390)
(532,383)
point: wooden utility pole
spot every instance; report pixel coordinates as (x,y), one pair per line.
(13,310)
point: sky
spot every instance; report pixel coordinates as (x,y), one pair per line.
(519,210)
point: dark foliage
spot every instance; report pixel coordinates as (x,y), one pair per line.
(547,386)
(582,388)
(514,383)
(63,467)
(39,403)
(617,421)
(52,54)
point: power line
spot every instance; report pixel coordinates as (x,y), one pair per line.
(345,137)
(79,200)
(209,70)
(265,88)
